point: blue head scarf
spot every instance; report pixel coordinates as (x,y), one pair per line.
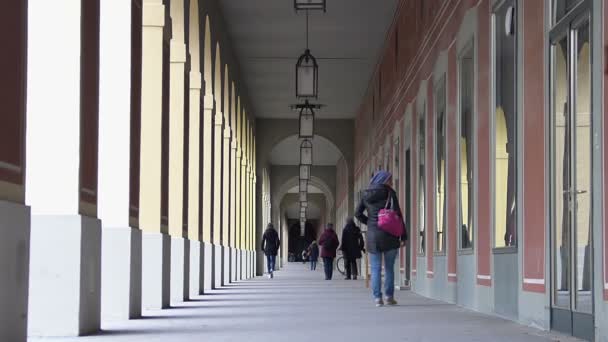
(381,177)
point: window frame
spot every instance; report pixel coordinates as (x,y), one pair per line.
(421,115)
(470,45)
(439,84)
(517,138)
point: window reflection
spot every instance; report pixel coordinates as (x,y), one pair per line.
(421,179)
(467,126)
(440,165)
(505,132)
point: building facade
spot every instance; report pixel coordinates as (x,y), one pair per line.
(491,116)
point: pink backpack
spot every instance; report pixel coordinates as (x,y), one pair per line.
(389,220)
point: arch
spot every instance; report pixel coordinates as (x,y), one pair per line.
(207,61)
(178,24)
(314,181)
(233,107)
(226,92)
(325,152)
(194,38)
(217,77)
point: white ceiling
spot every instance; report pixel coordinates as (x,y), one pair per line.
(269,36)
(287,152)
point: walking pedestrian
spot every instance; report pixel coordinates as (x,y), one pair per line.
(382,243)
(270,246)
(329,244)
(313,255)
(351,247)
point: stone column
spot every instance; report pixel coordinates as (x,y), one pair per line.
(14,214)
(121,241)
(233,209)
(180,252)
(238,197)
(218,257)
(226,208)
(61,180)
(194,185)
(156,244)
(209,105)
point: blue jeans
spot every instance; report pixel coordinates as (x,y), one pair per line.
(328,267)
(313,265)
(389,273)
(270,261)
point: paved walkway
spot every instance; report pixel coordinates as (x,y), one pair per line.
(298,306)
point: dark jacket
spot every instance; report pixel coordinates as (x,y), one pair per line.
(372,200)
(352,241)
(270,242)
(329,243)
(313,252)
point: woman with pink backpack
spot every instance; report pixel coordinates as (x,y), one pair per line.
(385,233)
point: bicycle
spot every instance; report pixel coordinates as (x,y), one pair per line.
(340,265)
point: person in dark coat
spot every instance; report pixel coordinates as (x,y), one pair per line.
(313,255)
(379,243)
(352,245)
(270,246)
(329,244)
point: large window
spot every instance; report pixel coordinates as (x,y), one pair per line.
(467,128)
(440,160)
(421,179)
(505,125)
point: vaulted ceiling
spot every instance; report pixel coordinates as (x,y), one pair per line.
(268,37)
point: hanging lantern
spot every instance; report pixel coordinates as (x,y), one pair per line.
(305,172)
(307,123)
(303,185)
(306,152)
(301,5)
(307,76)
(304,204)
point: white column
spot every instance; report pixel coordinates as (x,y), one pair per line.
(207,205)
(180,255)
(218,255)
(156,245)
(65,258)
(226,207)
(121,244)
(194,183)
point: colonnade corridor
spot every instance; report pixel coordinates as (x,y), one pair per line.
(299,306)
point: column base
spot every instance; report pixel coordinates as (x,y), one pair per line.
(218,257)
(243,265)
(65,275)
(207,266)
(180,256)
(226,262)
(196,272)
(121,280)
(233,270)
(14,253)
(156,280)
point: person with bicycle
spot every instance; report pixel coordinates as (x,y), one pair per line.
(329,244)
(383,240)
(352,245)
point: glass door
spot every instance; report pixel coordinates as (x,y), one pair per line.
(571,124)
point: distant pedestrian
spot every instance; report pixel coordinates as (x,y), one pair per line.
(329,244)
(304,255)
(351,247)
(270,246)
(381,242)
(313,255)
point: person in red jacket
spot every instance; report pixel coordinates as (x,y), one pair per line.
(329,244)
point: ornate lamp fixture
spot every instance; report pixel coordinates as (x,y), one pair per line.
(307,76)
(306,5)
(307,118)
(306,152)
(303,196)
(305,172)
(303,185)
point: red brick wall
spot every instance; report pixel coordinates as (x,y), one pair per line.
(534,153)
